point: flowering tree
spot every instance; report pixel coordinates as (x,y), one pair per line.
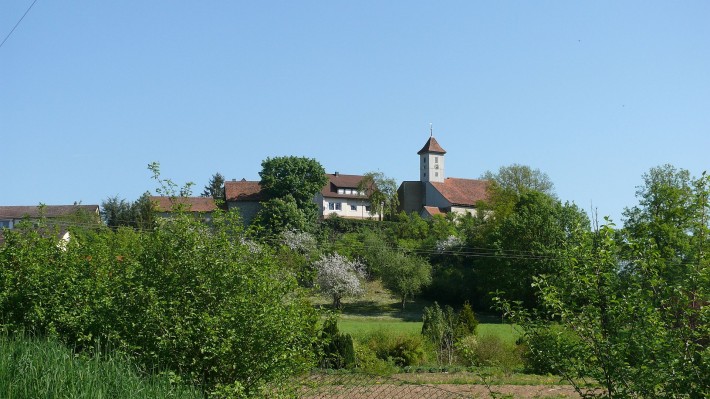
(338,277)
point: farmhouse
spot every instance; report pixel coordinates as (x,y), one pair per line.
(57,217)
(436,194)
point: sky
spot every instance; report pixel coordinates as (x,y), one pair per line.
(592,93)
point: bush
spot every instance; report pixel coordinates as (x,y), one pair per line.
(548,351)
(194,299)
(338,349)
(399,349)
(489,350)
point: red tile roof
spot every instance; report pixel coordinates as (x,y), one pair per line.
(463,191)
(50,211)
(432,210)
(192,204)
(432,146)
(336,181)
(243,191)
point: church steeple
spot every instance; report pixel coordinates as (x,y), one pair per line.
(431,161)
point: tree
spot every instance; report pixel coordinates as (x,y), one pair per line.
(404,275)
(381,191)
(278,215)
(338,277)
(139,214)
(509,183)
(527,244)
(639,328)
(665,215)
(519,179)
(215,187)
(300,177)
(439,326)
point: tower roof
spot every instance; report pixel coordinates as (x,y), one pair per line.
(431,146)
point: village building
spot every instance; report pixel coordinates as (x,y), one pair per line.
(436,194)
(199,206)
(57,218)
(340,197)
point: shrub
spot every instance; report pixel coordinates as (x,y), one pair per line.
(490,350)
(399,349)
(187,297)
(548,350)
(338,350)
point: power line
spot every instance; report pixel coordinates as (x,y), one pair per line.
(18,23)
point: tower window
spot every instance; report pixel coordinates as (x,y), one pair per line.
(436,159)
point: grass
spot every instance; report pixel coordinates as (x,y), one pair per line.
(379,310)
(42,368)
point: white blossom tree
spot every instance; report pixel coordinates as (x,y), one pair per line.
(338,277)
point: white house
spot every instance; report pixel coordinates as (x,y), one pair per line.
(339,196)
(436,194)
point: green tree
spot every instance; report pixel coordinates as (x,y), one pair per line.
(301,178)
(665,216)
(509,183)
(215,187)
(637,329)
(277,216)
(381,191)
(117,212)
(526,244)
(439,327)
(404,275)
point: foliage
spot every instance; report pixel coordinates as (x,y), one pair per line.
(278,215)
(44,368)
(399,349)
(186,297)
(381,191)
(489,350)
(338,350)
(215,187)
(404,275)
(636,331)
(440,329)
(467,323)
(117,212)
(299,177)
(339,277)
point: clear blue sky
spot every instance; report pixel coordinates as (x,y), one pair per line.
(592,93)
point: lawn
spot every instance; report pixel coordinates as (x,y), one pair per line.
(378,310)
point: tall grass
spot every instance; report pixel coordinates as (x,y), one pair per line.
(42,368)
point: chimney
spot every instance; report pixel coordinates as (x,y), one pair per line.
(337,173)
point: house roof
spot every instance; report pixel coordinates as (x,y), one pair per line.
(338,180)
(432,210)
(465,192)
(243,191)
(192,204)
(432,146)
(49,211)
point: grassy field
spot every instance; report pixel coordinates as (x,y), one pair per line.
(378,310)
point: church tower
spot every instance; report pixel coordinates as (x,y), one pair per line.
(431,162)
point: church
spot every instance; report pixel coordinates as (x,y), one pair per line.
(436,194)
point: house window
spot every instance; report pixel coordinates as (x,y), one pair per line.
(353,207)
(5,224)
(338,206)
(349,191)
(367,208)
(331,206)
(341,191)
